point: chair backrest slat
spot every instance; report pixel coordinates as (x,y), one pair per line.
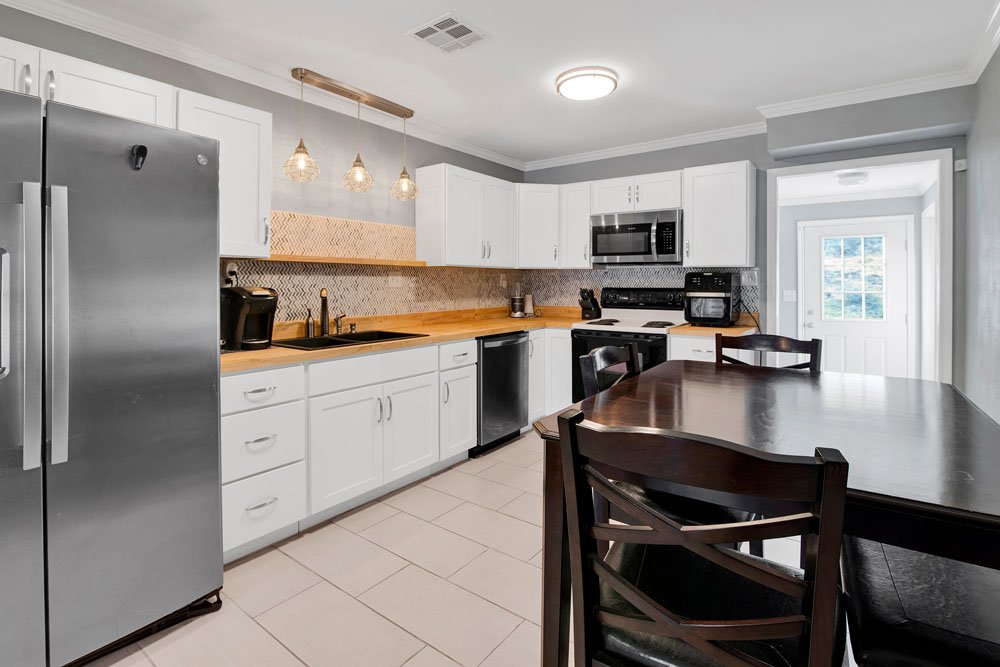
(595,365)
(770,343)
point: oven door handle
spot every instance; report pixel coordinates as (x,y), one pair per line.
(709,295)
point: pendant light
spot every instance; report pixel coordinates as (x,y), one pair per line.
(404,189)
(301,166)
(357,178)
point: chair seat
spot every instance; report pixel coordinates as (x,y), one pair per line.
(694,588)
(907,608)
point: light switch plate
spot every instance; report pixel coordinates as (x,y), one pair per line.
(789,295)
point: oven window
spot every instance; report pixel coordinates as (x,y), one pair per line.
(622,240)
(713,307)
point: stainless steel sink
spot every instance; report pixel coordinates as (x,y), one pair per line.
(335,340)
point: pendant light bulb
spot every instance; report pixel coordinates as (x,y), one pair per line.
(301,166)
(357,178)
(404,189)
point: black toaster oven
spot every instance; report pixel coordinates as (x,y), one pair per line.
(711,299)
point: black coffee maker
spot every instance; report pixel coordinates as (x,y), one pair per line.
(247,317)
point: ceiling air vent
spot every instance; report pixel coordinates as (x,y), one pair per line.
(448,33)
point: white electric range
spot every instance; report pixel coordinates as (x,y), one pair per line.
(629,315)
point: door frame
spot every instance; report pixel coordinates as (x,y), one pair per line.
(912,284)
(946,212)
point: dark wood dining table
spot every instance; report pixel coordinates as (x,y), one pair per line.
(924,460)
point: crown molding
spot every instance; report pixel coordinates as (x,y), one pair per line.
(987,44)
(264,75)
(649,146)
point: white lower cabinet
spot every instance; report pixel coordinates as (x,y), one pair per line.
(260,440)
(701,348)
(536,374)
(559,370)
(458,393)
(345,445)
(410,427)
(262,504)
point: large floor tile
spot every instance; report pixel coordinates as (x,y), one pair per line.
(459,624)
(130,656)
(422,502)
(430,657)
(325,626)
(526,507)
(476,466)
(498,531)
(473,489)
(431,547)
(226,638)
(367,517)
(513,584)
(516,476)
(522,647)
(524,452)
(348,561)
(266,580)
(536,560)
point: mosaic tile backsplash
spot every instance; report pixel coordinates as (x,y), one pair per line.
(362,290)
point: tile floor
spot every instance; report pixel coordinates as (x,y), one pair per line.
(444,573)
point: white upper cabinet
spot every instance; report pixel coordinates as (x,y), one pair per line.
(612,195)
(111,91)
(500,232)
(19,67)
(720,215)
(537,226)
(648,192)
(657,192)
(574,226)
(244,136)
(451,217)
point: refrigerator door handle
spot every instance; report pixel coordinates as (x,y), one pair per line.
(32,420)
(59,323)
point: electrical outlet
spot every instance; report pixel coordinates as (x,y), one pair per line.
(397,282)
(749,277)
(503,281)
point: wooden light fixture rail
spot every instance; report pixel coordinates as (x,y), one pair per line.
(350,92)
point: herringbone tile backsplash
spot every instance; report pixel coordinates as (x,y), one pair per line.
(380,290)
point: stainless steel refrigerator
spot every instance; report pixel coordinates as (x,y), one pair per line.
(109,409)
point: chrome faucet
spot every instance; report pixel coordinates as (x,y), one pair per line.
(338,319)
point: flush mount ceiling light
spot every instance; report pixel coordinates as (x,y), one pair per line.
(301,166)
(587,83)
(852,179)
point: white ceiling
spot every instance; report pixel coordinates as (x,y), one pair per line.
(904,180)
(687,67)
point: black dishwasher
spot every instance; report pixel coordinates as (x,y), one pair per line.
(503,389)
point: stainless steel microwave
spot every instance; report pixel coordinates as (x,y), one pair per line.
(653,237)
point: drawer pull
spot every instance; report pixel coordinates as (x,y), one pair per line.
(251,445)
(459,356)
(262,505)
(263,392)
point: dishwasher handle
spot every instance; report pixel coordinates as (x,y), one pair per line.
(504,342)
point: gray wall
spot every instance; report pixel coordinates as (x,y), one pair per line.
(788,219)
(977,326)
(329,135)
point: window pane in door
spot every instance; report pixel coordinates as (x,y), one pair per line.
(852,306)
(874,307)
(833,278)
(852,248)
(852,280)
(873,248)
(833,306)
(832,249)
(874,279)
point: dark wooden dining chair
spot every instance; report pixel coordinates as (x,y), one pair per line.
(910,608)
(670,593)
(770,343)
(597,367)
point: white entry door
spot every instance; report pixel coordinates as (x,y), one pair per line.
(856,287)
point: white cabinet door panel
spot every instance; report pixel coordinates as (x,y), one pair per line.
(19,67)
(260,440)
(410,425)
(656,192)
(719,216)
(244,136)
(536,374)
(99,88)
(559,375)
(574,226)
(464,216)
(458,411)
(262,504)
(538,226)
(345,445)
(501,223)
(612,195)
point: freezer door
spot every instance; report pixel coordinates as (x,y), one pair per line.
(22,555)
(132,480)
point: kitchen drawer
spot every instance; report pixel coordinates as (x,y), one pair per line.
(456,355)
(692,348)
(331,376)
(258,390)
(258,505)
(260,440)
(406,363)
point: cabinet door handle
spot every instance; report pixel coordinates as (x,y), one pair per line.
(585,252)
(259,506)
(27,79)
(482,250)
(251,445)
(687,248)
(52,85)
(388,411)
(379,419)
(636,194)
(447,392)
(531,348)
(489,250)
(267,230)
(459,356)
(262,392)
(630,194)
(555,252)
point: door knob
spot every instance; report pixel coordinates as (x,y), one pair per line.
(810,325)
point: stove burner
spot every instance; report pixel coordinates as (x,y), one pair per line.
(604,323)
(657,324)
